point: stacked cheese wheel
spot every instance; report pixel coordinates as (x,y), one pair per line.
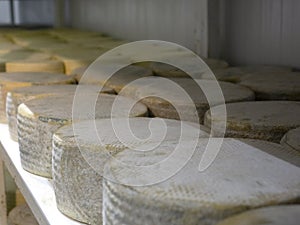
(21,215)
(19,95)
(242,177)
(292,139)
(77,57)
(118,80)
(274,85)
(236,74)
(38,119)
(176,98)
(10,81)
(79,154)
(276,215)
(266,120)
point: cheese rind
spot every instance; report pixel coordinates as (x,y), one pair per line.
(276,215)
(162,97)
(20,95)
(230,185)
(50,66)
(265,120)
(292,139)
(10,81)
(77,182)
(38,119)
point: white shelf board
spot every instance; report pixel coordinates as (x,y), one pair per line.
(38,191)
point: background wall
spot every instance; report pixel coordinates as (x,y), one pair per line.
(180,21)
(262,32)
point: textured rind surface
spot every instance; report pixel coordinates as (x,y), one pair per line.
(10,81)
(21,215)
(292,139)
(50,66)
(162,100)
(39,118)
(78,187)
(265,120)
(276,215)
(17,96)
(229,186)
(274,85)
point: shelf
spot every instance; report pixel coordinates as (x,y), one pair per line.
(38,191)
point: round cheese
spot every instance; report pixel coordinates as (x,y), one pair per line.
(38,119)
(77,57)
(20,95)
(7,46)
(292,139)
(266,120)
(50,66)
(273,215)
(274,85)
(241,177)
(77,185)
(10,81)
(164,97)
(21,215)
(236,74)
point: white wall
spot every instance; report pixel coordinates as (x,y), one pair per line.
(263,31)
(180,21)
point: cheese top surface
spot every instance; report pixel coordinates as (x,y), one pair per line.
(242,175)
(60,107)
(292,139)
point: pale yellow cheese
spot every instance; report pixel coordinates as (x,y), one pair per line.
(77,186)
(38,119)
(19,95)
(243,176)
(50,66)
(265,120)
(10,81)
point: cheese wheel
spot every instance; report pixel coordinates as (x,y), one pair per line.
(236,74)
(77,186)
(77,57)
(274,85)
(273,215)
(7,46)
(265,120)
(120,79)
(10,81)
(21,55)
(20,95)
(38,119)
(241,177)
(163,98)
(21,215)
(50,66)
(292,139)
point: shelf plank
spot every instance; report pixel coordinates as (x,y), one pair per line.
(38,191)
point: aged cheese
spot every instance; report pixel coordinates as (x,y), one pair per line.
(242,177)
(236,74)
(78,187)
(164,97)
(7,46)
(78,72)
(292,139)
(10,81)
(38,119)
(274,85)
(77,57)
(50,66)
(20,95)
(118,80)
(21,215)
(21,54)
(273,215)
(266,120)
(215,63)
